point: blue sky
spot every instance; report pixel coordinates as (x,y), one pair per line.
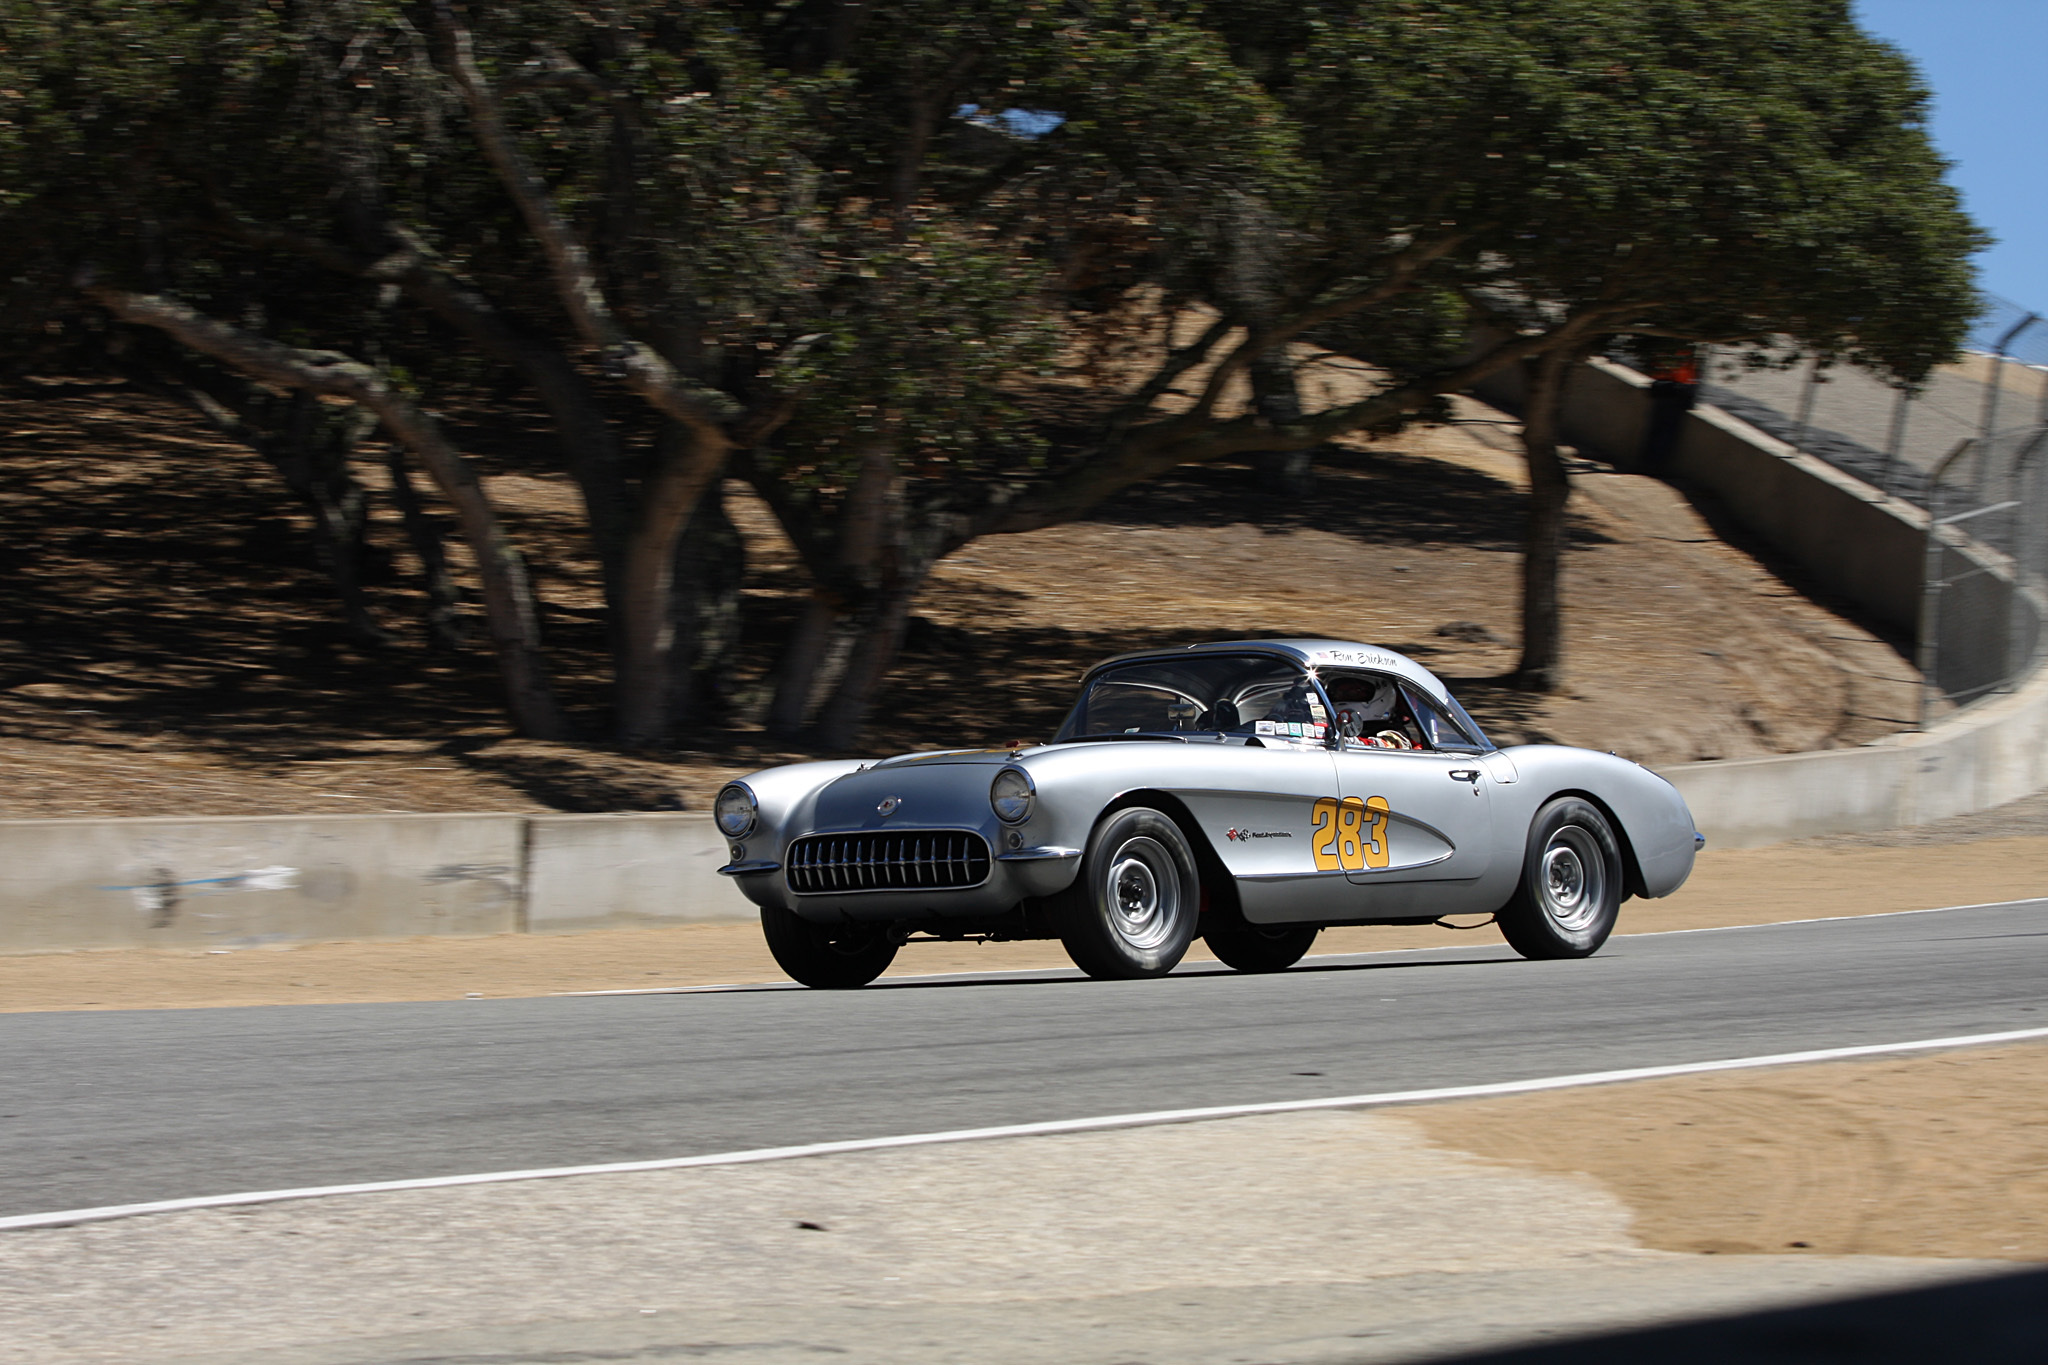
(1984,61)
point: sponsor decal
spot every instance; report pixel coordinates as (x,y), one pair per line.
(1350,835)
(1264,727)
(1243,835)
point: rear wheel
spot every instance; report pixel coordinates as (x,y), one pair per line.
(830,957)
(1570,893)
(1261,947)
(1132,911)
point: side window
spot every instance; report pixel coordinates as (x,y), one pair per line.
(1439,731)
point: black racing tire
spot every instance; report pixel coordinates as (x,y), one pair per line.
(827,957)
(1132,911)
(1570,893)
(1261,947)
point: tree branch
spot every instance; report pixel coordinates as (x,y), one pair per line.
(644,370)
(508,600)
(584,430)
(1150,451)
(1402,269)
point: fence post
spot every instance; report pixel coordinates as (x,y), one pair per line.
(1806,401)
(1896,441)
(1929,651)
(2021,649)
(1998,370)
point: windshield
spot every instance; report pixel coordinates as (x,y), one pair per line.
(1215,693)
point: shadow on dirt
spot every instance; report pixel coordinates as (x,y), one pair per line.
(1376,497)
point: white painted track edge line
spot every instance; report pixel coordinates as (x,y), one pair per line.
(1048,1128)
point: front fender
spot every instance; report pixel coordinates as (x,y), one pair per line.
(1650,814)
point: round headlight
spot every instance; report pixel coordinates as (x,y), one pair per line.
(1011,795)
(735,810)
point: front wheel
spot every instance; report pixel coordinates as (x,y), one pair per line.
(1570,892)
(1132,911)
(1261,947)
(828,957)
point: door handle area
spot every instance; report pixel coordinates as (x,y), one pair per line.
(1465,775)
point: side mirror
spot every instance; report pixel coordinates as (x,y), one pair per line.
(1350,724)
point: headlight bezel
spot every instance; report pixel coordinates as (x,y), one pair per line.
(719,812)
(1020,802)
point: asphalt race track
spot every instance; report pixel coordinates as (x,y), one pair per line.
(101,1108)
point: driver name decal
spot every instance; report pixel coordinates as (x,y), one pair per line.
(1350,835)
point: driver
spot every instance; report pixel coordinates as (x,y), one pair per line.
(1372,705)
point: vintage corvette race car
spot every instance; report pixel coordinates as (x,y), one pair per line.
(1250,792)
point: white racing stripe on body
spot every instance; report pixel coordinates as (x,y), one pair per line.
(1017,1130)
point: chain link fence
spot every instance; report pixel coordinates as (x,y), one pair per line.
(1889,437)
(1985,600)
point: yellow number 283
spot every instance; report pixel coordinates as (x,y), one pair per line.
(1350,835)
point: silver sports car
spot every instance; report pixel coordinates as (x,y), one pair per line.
(1251,792)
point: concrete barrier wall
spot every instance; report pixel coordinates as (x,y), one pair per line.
(617,871)
(241,883)
(189,883)
(237,883)
(1991,753)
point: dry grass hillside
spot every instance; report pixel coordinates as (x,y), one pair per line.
(168,647)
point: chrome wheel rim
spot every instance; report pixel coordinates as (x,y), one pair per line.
(1142,892)
(1573,884)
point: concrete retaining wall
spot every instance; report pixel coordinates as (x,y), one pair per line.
(1851,540)
(1845,537)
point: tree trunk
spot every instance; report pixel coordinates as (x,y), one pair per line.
(810,649)
(875,648)
(508,597)
(803,658)
(444,601)
(1288,473)
(647,638)
(1543,546)
(310,450)
(314,456)
(704,603)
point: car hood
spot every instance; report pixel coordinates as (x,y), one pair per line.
(916,791)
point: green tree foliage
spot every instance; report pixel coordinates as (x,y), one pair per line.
(836,248)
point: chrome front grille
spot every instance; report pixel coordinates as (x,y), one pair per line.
(898,860)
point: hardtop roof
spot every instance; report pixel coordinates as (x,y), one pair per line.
(1309,654)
